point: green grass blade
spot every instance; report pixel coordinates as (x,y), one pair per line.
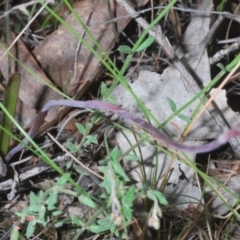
(10,102)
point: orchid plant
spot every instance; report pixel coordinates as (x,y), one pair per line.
(105,107)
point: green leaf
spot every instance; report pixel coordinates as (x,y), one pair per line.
(132,157)
(119,170)
(40,195)
(22,215)
(125,49)
(81,128)
(127,202)
(172,104)
(10,103)
(104,161)
(58,224)
(106,183)
(160,197)
(72,147)
(222,67)
(184,118)
(129,197)
(77,220)
(127,212)
(83,198)
(35,202)
(52,200)
(104,89)
(146,44)
(106,224)
(103,169)
(63,179)
(30,229)
(57,213)
(90,139)
(88,126)
(14,233)
(115,153)
(233,63)
(42,215)
(69,165)
(104,195)
(98,228)
(111,100)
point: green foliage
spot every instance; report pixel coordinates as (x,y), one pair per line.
(147,43)
(156,194)
(87,139)
(172,104)
(126,49)
(102,226)
(104,91)
(41,210)
(14,234)
(81,128)
(10,102)
(173,107)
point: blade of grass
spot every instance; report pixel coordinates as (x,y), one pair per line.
(10,102)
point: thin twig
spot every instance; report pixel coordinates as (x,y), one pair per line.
(79,45)
(190,10)
(88,170)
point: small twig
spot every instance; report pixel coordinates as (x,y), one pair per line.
(79,45)
(88,170)
(190,10)
(231,40)
(220,54)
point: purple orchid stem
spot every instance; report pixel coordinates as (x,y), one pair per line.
(105,106)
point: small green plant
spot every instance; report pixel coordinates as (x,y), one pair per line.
(42,208)
(86,139)
(120,194)
(173,107)
(116,198)
(104,91)
(117,194)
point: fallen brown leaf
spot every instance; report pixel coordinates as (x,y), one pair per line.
(33,93)
(56,53)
